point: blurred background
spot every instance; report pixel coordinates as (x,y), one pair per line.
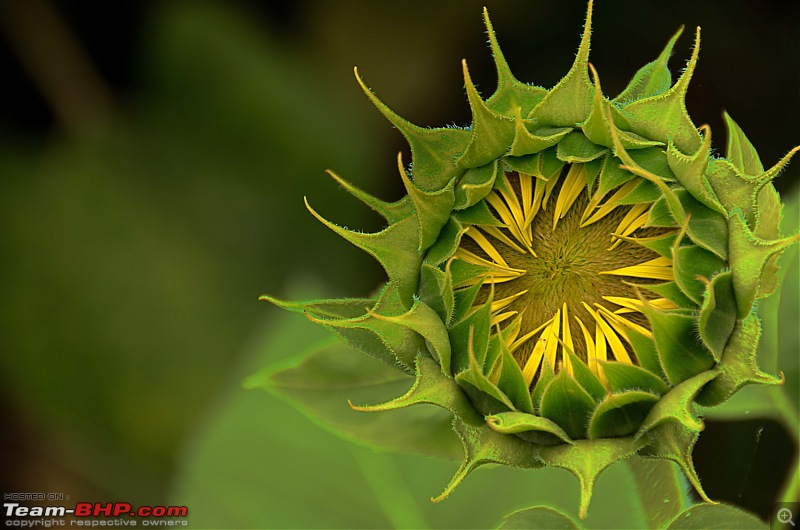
(154,156)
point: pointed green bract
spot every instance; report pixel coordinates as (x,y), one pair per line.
(483,446)
(432,208)
(739,362)
(690,172)
(390,247)
(567,404)
(652,79)
(391,211)
(718,314)
(475,184)
(740,151)
(433,151)
(510,94)
(491,134)
(693,267)
(675,441)
(518,422)
(680,350)
(752,255)
(527,142)
(676,406)
(620,414)
(586,459)
(622,377)
(570,101)
(430,387)
(663,116)
(511,381)
(425,322)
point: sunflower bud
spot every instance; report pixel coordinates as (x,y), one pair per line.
(571,274)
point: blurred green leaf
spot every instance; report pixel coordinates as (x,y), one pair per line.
(259,463)
(538,517)
(321,383)
(716,516)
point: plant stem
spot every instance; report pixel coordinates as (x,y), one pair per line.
(660,491)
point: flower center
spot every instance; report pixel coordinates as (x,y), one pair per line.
(563,270)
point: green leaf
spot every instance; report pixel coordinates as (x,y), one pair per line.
(436,290)
(672,292)
(321,382)
(546,376)
(660,215)
(674,441)
(677,406)
(543,517)
(470,333)
(511,381)
(347,318)
(645,349)
(598,124)
(690,172)
(475,377)
(752,402)
(586,378)
(716,516)
(611,175)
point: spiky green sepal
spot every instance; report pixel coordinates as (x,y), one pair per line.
(719,221)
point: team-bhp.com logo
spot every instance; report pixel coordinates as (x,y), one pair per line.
(86,514)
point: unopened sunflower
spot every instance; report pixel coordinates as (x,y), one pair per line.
(571,273)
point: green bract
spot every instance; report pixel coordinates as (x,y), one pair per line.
(570,274)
